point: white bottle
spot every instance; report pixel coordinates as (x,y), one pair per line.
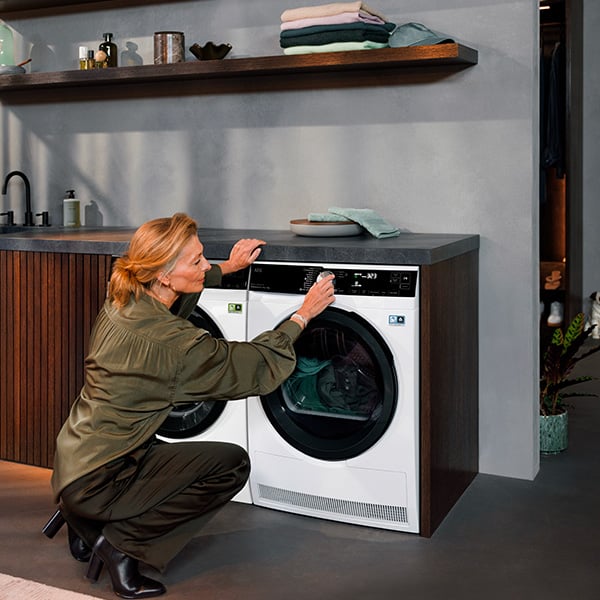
(71,215)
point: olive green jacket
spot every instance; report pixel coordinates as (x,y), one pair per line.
(143,360)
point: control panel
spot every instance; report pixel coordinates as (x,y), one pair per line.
(368,281)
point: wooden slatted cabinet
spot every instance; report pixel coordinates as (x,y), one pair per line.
(48,304)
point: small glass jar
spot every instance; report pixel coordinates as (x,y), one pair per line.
(169,47)
(83,55)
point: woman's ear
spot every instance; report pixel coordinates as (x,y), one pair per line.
(163,278)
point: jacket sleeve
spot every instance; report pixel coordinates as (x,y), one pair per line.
(215,369)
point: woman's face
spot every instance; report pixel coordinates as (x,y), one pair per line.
(187,276)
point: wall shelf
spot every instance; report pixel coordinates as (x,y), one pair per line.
(28,8)
(361,67)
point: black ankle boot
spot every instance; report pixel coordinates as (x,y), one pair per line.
(79,549)
(127,581)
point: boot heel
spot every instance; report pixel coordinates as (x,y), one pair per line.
(95,568)
(52,527)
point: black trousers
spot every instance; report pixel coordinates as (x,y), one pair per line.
(150,503)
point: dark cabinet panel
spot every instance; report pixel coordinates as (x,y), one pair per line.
(49,304)
(449,385)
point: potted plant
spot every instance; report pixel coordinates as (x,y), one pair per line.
(559,359)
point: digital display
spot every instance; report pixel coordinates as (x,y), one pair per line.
(297,279)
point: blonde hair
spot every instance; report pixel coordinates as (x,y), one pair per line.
(154,247)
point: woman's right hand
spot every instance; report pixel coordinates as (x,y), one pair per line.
(318,298)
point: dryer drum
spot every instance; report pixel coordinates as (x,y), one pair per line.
(340,387)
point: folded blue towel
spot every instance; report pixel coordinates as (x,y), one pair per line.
(376,225)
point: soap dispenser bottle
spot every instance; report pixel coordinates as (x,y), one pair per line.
(71,214)
(110,48)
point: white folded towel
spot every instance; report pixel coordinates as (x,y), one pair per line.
(326,10)
(344,17)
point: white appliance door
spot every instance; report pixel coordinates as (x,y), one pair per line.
(342,395)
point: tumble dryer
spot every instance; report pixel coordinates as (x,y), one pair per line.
(340,438)
(222,312)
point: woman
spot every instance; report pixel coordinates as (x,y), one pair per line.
(124,494)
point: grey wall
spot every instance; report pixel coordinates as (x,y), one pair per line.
(457,156)
(591,135)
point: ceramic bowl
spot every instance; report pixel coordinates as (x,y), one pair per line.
(325,228)
(210,51)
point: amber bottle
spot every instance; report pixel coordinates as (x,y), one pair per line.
(110,48)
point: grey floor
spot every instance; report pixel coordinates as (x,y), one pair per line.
(506,538)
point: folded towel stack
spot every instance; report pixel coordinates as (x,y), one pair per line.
(333,27)
(376,225)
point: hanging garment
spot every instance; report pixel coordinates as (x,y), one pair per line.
(553,150)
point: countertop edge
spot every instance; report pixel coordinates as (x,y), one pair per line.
(282,245)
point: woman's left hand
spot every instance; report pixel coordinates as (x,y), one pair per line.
(242,255)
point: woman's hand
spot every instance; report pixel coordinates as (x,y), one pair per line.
(242,255)
(317,299)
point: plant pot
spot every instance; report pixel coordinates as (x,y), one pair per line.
(554,432)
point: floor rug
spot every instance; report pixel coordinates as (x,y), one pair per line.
(15,588)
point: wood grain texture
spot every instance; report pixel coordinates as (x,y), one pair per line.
(449,451)
(49,303)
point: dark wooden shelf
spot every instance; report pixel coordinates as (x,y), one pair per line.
(35,8)
(360,63)
(18,5)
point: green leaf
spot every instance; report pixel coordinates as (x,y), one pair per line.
(558,361)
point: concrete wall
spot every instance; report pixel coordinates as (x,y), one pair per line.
(458,156)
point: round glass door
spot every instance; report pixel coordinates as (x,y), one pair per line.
(191,419)
(343,393)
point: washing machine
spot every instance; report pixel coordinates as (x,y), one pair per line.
(222,312)
(339,439)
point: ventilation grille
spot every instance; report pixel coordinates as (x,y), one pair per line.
(364,510)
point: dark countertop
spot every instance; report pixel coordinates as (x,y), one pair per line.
(282,245)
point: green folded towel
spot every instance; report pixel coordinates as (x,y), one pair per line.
(328,217)
(376,225)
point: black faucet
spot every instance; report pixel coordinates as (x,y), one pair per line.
(28,211)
